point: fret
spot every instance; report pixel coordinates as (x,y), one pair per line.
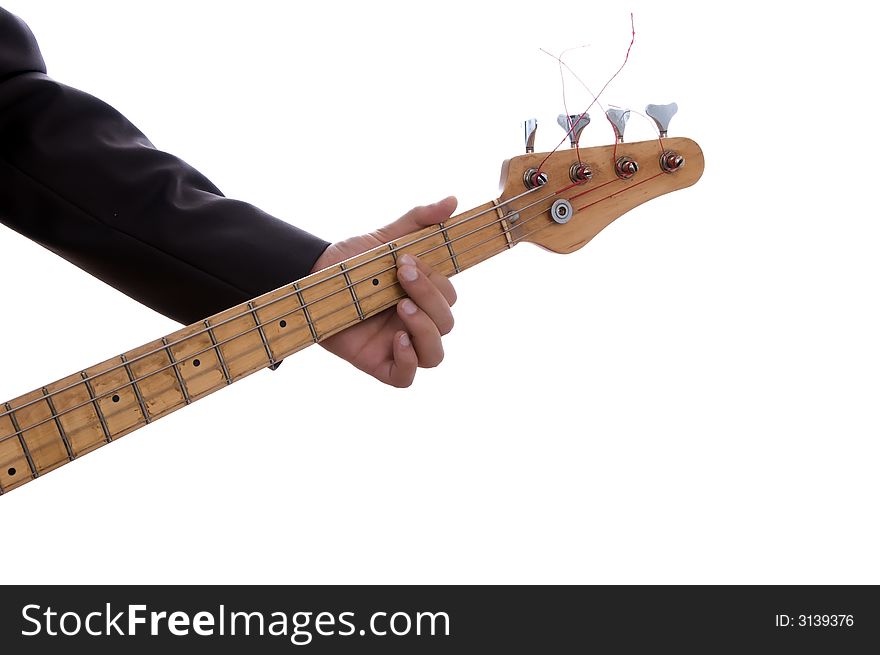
(155,380)
(42,441)
(284,323)
(58,425)
(16,429)
(350,286)
(449,246)
(262,334)
(98,411)
(79,422)
(15,468)
(430,245)
(505,225)
(306,312)
(137,391)
(217,350)
(183,388)
(375,281)
(242,348)
(110,386)
(329,302)
(477,235)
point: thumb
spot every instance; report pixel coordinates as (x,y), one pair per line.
(416,219)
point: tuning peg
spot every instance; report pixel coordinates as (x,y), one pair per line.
(618,119)
(531,126)
(574,125)
(662,114)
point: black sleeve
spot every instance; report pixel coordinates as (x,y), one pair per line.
(81,180)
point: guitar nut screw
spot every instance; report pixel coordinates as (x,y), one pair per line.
(626,167)
(533,178)
(580,172)
(671,161)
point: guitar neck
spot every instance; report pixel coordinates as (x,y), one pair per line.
(66,419)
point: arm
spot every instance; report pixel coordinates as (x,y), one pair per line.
(81,180)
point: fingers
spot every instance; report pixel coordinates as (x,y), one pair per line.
(427,291)
(417,218)
(425,335)
(402,369)
(443,283)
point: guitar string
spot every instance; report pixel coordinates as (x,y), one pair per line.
(213,347)
(259,325)
(597,96)
(394,249)
(382,252)
(595,101)
(347,286)
(651,122)
(296,291)
(571,123)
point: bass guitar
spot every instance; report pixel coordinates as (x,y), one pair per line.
(558,200)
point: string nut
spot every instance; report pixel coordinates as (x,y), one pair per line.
(531,127)
(573,126)
(662,114)
(618,119)
(580,173)
(671,161)
(534,178)
(626,167)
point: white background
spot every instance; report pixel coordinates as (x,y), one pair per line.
(691,398)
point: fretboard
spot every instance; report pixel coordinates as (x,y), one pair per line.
(66,419)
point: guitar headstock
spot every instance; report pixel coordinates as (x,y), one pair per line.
(559,202)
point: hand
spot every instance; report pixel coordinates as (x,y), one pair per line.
(392,344)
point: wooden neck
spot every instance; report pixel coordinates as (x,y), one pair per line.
(58,423)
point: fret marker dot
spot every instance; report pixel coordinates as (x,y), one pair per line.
(196,362)
(375,282)
(115,398)
(283,324)
(11,471)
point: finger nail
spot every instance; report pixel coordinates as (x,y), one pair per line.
(409,307)
(404,340)
(407,260)
(409,273)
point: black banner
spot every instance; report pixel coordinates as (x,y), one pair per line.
(448,619)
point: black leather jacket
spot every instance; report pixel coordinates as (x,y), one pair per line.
(81,180)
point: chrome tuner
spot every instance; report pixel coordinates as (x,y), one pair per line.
(533,178)
(662,114)
(618,119)
(580,172)
(531,126)
(671,161)
(626,167)
(561,211)
(573,125)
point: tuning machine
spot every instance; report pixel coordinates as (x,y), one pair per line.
(618,119)
(662,114)
(670,161)
(573,125)
(531,127)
